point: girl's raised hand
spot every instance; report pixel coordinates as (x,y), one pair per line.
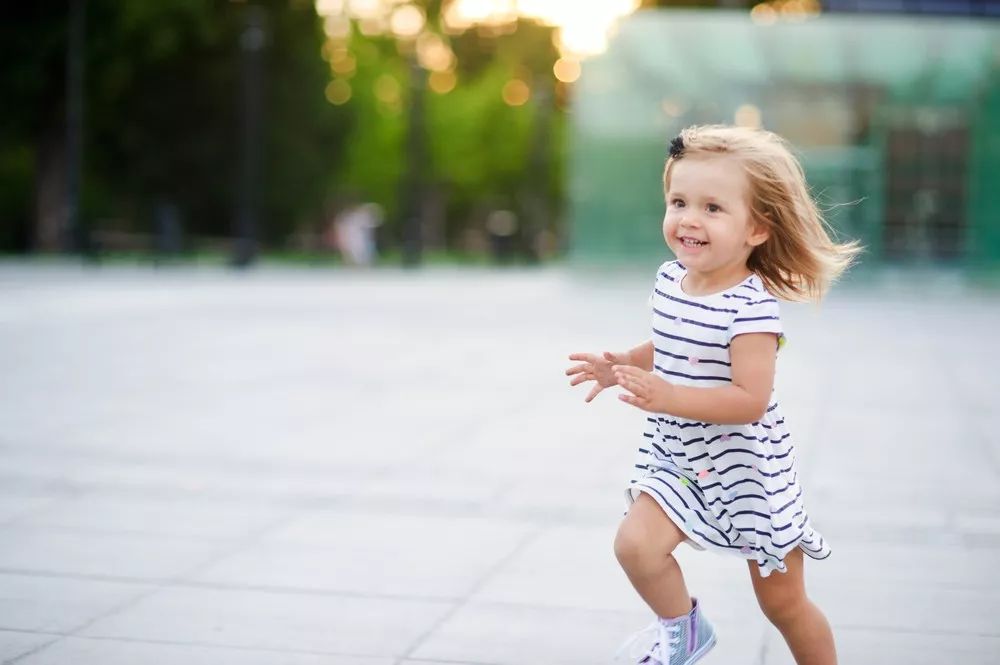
(595,368)
(645,389)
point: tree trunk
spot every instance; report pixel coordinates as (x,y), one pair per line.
(50,190)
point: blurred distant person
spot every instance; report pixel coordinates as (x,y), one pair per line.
(502,226)
(716,466)
(354,233)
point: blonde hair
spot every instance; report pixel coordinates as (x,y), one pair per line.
(799,260)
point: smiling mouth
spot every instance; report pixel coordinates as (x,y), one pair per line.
(691,242)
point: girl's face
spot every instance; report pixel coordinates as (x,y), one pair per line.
(708,223)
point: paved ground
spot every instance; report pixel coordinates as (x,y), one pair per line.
(330,467)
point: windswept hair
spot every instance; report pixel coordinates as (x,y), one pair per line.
(799,260)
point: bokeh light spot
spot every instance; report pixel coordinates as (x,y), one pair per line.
(516,92)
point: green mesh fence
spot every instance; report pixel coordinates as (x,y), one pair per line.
(896,121)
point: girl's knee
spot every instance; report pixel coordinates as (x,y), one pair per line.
(783,608)
(646,537)
(782,596)
(634,550)
(639,551)
(630,547)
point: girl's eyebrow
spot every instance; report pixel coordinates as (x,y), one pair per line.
(712,198)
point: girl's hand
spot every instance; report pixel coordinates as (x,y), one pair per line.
(648,391)
(596,368)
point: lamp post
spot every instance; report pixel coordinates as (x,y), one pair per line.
(70,239)
(252,41)
(413,182)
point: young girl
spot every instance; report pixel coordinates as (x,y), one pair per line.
(716,466)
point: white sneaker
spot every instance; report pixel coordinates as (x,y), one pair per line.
(679,641)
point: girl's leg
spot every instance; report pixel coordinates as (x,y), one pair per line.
(644,546)
(782,597)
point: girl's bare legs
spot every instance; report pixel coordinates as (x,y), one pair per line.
(782,597)
(644,546)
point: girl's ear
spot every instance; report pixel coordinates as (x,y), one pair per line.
(760,231)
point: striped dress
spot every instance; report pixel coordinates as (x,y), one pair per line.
(730,488)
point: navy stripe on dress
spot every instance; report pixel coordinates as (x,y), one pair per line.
(694,304)
(693,321)
(690,341)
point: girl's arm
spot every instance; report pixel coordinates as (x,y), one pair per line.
(743,401)
(641,356)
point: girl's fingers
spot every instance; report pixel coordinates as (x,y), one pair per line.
(576,369)
(583,378)
(632,387)
(594,393)
(586,357)
(625,380)
(634,401)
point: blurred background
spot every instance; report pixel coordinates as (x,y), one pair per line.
(394,131)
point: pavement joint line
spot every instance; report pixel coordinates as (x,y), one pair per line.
(32,651)
(228,496)
(160,459)
(129,533)
(222,586)
(530,537)
(449,661)
(222,646)
(48,502)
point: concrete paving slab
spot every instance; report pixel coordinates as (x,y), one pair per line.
(48,604)
(496,633)
(389,467)
(17,504)
(16,643)
(898,648)
(336,625)
(365,553)
(137,557)
(180,517)
(568,567)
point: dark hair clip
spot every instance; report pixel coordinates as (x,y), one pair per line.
(677,147)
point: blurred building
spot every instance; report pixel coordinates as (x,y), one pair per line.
(896,117)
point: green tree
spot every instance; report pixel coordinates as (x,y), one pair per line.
(162,109)
(481,151)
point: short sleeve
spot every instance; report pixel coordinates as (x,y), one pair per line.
(667,271)
(758,315)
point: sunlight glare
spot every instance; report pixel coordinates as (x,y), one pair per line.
(583,27)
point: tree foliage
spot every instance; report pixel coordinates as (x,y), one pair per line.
(162,112)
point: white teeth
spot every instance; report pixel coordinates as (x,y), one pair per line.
(691,242)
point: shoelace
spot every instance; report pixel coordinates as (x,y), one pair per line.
(670,637)
(664,639)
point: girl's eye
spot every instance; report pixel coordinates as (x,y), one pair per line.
(713,208)
(677,203)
